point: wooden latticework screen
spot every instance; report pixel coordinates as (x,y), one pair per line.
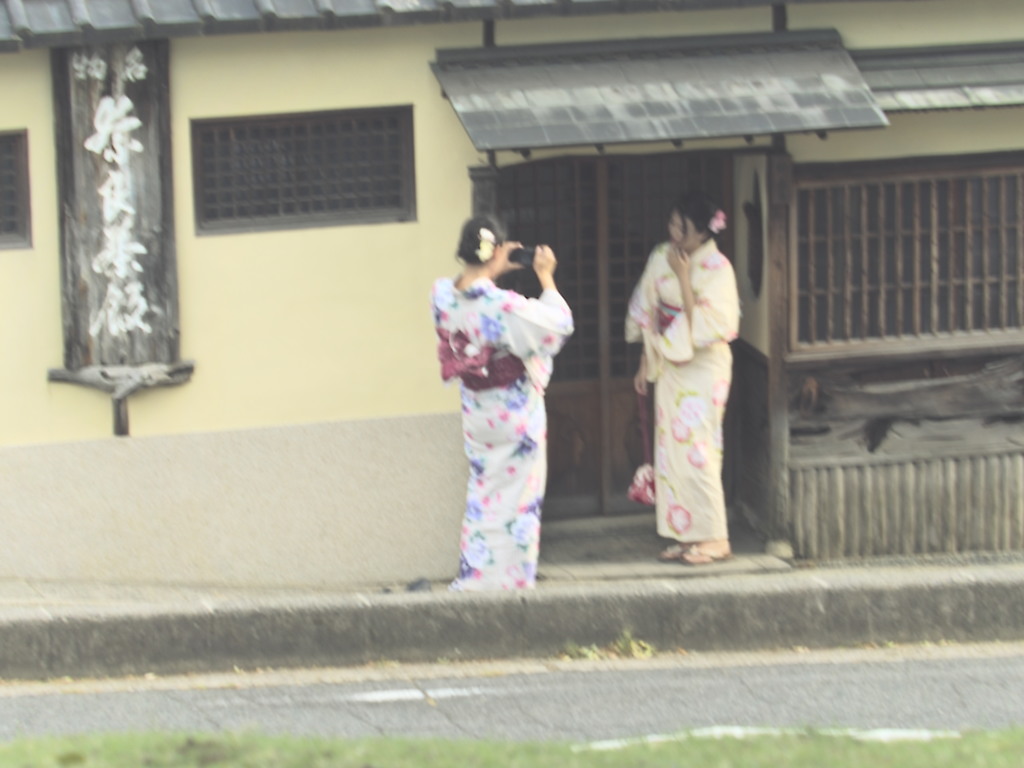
(926,254)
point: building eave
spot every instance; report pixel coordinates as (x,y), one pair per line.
(55,23)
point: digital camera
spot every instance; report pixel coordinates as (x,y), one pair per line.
(522,255)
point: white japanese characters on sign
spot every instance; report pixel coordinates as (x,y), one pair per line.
(124,306)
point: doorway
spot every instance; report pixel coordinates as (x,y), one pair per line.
(602,216)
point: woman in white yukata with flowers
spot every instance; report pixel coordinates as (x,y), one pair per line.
(501,346)
(686,310)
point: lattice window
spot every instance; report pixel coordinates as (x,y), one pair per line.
(915,256)
(353,166)
(555,202)
(14,208)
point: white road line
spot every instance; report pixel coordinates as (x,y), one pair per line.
(328,697)
(745,732)
(415,694)
(386,697)
(895,734)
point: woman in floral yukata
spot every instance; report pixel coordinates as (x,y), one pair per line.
(501,346)
(686,310)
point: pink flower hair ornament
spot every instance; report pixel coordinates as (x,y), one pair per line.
(717,223)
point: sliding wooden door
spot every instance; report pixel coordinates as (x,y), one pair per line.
(602,216)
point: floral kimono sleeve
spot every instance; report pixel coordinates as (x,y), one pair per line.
(537,326)
(716,316)
(640,315)
(673,344)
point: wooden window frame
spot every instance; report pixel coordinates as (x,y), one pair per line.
(16,185)
(933,340)
(321,201)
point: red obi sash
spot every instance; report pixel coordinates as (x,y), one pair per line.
(500,372)
(666,314)
(479,368)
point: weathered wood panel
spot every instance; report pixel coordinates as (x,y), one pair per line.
(119,277)
(870,440)
(944,504)
(916,444)
(997,388)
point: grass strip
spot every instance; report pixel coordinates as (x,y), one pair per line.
(994,749)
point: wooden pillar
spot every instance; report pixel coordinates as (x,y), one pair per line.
(604,333)
(779,221)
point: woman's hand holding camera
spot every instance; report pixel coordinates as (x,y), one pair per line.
(542,260)
(544,264)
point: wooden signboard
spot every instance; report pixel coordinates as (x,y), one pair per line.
(119,277)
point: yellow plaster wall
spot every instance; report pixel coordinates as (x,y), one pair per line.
(918,134)
(31,342)
(920,22)
(324,323)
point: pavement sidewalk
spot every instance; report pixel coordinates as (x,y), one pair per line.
(599,580)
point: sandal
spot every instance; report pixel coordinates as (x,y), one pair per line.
(694,555)
(672,553)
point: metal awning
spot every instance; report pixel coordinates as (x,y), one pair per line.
(962,77)
(662,89)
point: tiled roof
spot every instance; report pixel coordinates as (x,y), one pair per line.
(945,78)
(42,23)
(655,90)
(752,84)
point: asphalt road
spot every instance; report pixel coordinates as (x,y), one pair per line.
(930,687)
